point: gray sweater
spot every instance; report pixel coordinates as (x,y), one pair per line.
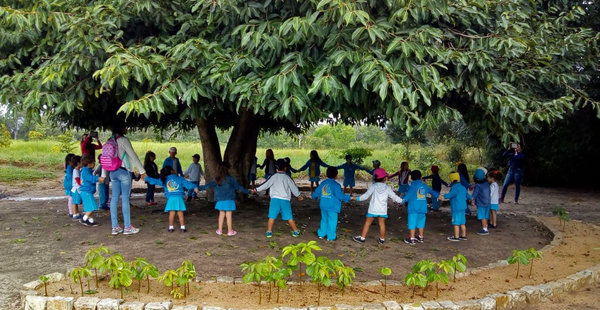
(280,186)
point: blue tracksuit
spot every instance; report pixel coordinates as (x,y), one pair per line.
(436,185)
(314,169)
(481,195)
(173,163)
(349,173)
(464,182)
(417,203)
(458,196)
(87,189)
(68,181)
(331,195)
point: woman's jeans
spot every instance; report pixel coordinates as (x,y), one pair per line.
(121,186)
(513,176)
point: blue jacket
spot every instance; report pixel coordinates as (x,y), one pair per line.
(349,170)
(331,195)
(174,185)
(458,196)
(88,180)
(514,161)
(436,181)
(317,172)
(68,181)
(226,191)
(169,162)
(464,182)
(417,196)
(481,194)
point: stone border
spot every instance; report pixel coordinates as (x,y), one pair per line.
(514,299)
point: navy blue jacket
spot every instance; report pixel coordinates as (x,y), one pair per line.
(481,194)
(514,161)
(436,182)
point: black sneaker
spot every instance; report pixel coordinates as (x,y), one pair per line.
(183,230)
(380,241)
(84,222)
(171,229)
(359,239)
(410,241)
(105,208)
(483,232)
(454,239)
(492,226)
(420,239)
(463,238)
(92,224)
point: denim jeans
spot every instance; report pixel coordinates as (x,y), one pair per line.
(150,193)
(103,194)
(513,176)
(121,186)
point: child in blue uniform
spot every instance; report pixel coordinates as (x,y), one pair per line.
(403,175)
(103,187)
(379,192)
(481,197)
(76,184)
(458,196)
(331,195)
(88,187)
(436,185)
(464,180)
(68,183)
(349,173)
(314,170)
(174,187)
(493,177)
(417,206)
(225,187)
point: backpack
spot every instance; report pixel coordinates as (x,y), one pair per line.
(109,159)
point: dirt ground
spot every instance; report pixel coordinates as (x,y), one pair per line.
(38,237)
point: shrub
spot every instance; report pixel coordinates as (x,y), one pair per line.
(65,143)
(35,135)
(5,138)
(358,154)
(456,153)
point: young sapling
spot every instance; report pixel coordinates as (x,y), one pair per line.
(95,259)
(320,272)
(386,272)
(80,272)
(460,264)
(45,280)
(519,257)
(533,254)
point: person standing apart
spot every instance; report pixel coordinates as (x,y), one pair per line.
(194,172)
(515,170)
(173,162)
(87,145)
(151,171)
(117,151)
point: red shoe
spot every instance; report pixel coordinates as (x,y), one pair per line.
(148,204)
(154,203)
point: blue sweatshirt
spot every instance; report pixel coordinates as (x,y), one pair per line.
(226,191)
(514,161)
(464,182)
(174,185)
(436,182)
(349,170)
(173,163)
(481,194)
(88,180)
(68,181)
(331,195)
(317,168)
(458,196)
(417,196)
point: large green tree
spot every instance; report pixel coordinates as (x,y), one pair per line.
(503,66)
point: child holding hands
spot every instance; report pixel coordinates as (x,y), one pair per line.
(481,197)
(331,195)
(417,206)
(458,196)
(87,189)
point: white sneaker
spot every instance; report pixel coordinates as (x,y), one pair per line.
(130,230)
(116,230)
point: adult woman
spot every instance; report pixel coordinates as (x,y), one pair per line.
(87,145)
(121,182)
(515,170)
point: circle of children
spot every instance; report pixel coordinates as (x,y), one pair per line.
(118,160)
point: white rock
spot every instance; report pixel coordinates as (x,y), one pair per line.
(318,308)
(373,283)
(165,305)
(35,302)
(468,305)
(533,293)
(284,308)
(373,307)
(86,303)
(501,301)
(25,293)
(109,304)
(391,305)
(545,291)
(415,306)
(347,307)
(518,298)
(431,305)
(33,285)
(487,303)
(187,307)
(448,305)
(224,279)
(132,305)
(55,277)
(60,303)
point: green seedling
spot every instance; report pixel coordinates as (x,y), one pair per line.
(255,272)
(45,280)
(78,273)
(415,279)
(460,264)
(298,254)
(320,272)
(437,276)
(95,259)
(272,265)
(141,269)
(533,254)
(345,275)
(563,216)
(386,272)
(121,276)
(186,273)
(446,267)
(169,278)
(519,257)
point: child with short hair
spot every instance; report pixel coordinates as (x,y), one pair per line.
(458,196)
(379,192)
(281,187)
(225,187)
(103,186)
(481,198)
(436,185)
(151,171)
(331,197)
(194,173)
(314,170)
(68,183)
(349,173)
(403,175)
(174,187)
(417,206)
(75,191)
(88,187)
(493,177)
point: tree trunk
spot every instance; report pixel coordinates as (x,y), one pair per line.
(211,150)
(241,147)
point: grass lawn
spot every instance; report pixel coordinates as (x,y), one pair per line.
(12,174)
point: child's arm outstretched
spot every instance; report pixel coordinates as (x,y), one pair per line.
(304,167)
(293,188)
(318,191)
(154,181)
(392,195)
(239,187)
(366,195)
(338,193)
(265,185)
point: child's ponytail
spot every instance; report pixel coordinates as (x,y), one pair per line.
(164,173)
(222,172)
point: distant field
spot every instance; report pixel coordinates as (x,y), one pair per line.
(35,159)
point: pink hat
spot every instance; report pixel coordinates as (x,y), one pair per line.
(379,173)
